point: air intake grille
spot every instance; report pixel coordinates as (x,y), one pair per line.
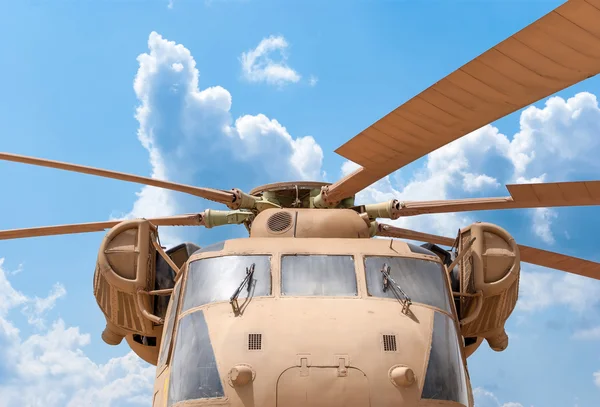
(279,222)
(254,341)
(389,343)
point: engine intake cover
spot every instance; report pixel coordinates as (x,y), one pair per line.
(126,264)
(489,276)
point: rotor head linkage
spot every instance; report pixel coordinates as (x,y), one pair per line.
(242,200)
(212,217)
(389,210)
(322,200)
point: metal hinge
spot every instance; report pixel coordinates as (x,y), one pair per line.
(342,364)
(304,363)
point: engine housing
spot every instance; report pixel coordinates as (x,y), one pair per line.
(489,283)
(126,265)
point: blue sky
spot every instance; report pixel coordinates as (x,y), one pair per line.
(110,84)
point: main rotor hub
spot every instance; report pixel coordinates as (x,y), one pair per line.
(294,194)
(289,186)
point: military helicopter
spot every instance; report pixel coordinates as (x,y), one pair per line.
(311,309)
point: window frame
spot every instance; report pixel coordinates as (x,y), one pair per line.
(355,262)
(271,256)
(190,315)
(173,315)
(430,380)
(447,288)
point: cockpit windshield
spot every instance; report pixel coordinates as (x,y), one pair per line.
(445,378)
(318,275)
(218,278)
(423,281)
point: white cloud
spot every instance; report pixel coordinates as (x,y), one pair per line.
(555,143)
(312,81)
(485,398)
(33,307)
(50,368)
(542,224)
(38,307)
(597,378)
(543,289)
(588,334)
(446,173)
(258,65)
(189,131)
(472,182)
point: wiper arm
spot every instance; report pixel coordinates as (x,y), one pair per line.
(396,289)
(247,280)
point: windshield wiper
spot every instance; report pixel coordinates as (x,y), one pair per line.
(247,280)
(396,289)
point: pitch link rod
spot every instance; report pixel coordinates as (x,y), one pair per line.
(234,199)
(394,209)
(209,218)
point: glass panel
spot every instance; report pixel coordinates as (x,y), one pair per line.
(318,275)
(217,278)
(420,249)
(422,280)
(165,346)
(165,278)
(194,373)
(445,378)
(215,247)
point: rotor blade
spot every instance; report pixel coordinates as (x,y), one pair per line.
(215,195)
(540,195)
(181,220)
(557,51)
(393,231)
(528,254)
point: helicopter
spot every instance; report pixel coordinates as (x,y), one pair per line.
(323,304)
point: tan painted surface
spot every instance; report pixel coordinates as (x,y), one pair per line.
(306,341)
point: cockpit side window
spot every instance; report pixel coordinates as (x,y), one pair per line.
(423,281)
(165,346)
(217,278)
(318,275)
(194,371)
(445,378)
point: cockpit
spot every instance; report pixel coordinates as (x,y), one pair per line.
(270,291)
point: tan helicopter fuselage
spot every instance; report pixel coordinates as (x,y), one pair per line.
(307,311)
(298,349)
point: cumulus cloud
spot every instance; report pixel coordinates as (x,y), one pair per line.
(485,398)
(542,224)
(557,142)
(588,334)
(473,182)
(446,174)
(191,137)
(541,289)
(50,367)
(258,64)
(34,308)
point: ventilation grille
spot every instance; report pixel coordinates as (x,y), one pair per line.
(279,222)
(389,343)
(254,341)
(126,312)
